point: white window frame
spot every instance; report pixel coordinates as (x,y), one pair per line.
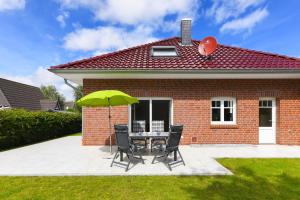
(172,53)
(222,122)
(150,107)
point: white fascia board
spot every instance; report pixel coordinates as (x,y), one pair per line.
(77,76)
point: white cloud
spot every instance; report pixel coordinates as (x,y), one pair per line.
(222,10)
(233,15)
(145,11)
(43,77)
(12,5)
(137,12)
(104,39)
(129,22)
(62,18)
(245,23)
(73,4)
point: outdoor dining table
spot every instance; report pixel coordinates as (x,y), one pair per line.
(146,135)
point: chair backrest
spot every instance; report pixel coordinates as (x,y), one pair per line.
(158,126)
(138,126)
(176,128)
(122,137)
(174,137)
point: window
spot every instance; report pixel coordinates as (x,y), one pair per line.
(150,115)
(223,110)
(158,51)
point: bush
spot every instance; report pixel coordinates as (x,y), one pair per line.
(20,127)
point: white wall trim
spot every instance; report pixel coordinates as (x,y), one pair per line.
(77,76)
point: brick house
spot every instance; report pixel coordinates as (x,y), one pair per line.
(235,96)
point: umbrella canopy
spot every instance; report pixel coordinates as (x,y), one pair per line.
(107,98)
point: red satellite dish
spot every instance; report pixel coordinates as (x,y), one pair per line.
(207,46)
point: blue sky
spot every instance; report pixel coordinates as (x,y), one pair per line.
(37,34)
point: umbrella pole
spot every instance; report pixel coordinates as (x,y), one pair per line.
(110,142)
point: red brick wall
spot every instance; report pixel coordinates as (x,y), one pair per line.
(191,107)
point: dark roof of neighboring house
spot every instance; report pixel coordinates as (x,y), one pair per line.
(48,104)
(20,95)
(225,57)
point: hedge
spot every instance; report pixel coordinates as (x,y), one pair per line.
(21,127)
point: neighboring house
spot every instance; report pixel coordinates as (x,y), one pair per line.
(235,96)
(48,105)
(19,95)
(69,105)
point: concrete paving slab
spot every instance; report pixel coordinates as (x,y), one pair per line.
(67,157)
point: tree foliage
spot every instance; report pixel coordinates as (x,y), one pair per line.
(78,93)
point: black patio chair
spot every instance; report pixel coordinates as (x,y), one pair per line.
(124,146)
(139,126)
(172,146)
(157,143)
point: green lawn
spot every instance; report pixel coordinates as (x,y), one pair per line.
(75,134)
(253,179)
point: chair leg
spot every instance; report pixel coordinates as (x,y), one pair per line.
(127,167)
(170,168)
(181,157)
(166,156)
(114,159)
(142,159)
(153,159)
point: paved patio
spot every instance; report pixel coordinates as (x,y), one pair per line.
(65,156)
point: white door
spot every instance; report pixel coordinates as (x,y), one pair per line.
(267,121)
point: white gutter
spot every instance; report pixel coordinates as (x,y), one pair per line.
(77,75)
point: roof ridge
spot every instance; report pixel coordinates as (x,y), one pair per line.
(19,83)
(111,53)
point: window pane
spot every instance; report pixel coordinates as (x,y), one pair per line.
(265,117)
(270,103)
(164,51)
(228,114)
(260,103)
(161,115)
(228,104)
(265,103)
(216,114)
(140,116)
(216,104)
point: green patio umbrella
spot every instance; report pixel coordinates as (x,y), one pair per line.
(107,98)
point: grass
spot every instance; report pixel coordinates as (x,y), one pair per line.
(253,179)
(75,134)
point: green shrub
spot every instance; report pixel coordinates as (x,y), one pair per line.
(20,127)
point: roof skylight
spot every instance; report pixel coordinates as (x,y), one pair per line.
(161,51)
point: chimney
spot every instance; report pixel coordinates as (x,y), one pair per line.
(186,32)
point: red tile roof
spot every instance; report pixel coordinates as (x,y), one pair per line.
(225,57)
